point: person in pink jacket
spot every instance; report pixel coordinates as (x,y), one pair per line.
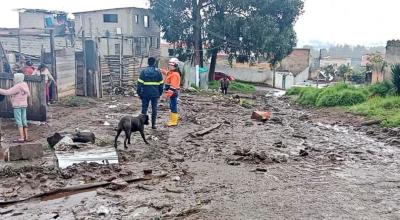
(19,99)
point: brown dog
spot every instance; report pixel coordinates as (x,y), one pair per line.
(131,124)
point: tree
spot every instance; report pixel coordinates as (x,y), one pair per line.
(252,27)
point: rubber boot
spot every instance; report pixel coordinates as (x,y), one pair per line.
(153,121)
(173,119)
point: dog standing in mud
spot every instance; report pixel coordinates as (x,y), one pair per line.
(131,124)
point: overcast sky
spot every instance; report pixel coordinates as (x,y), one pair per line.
(337,21)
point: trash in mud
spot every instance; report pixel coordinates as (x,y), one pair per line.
(303,153)
(106,123)
(205,131)
(261,116)
(97,155)
(279,144)
(79,136)
(234,163)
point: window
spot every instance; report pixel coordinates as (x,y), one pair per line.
(158,43)
(110,18)
(117,49)
(136,19)
(146,21)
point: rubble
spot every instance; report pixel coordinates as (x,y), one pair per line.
(24,151)
(261,116)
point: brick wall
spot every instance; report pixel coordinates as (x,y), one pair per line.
(31,44)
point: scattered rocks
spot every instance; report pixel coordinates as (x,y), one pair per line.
(233,163)
(261,116)
(145,187)
(279,144)
(173,189)
(303,153)
(298,135)
(178,158)
(276,120)
(371,122)
(304,117)
(259,169)
(242,152)
(118,184)
(103,211)
(176,178)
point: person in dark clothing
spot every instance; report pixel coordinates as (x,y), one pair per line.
(224,83)
(150,88)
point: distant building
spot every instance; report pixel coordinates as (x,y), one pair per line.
(326,61)
(35,20)
(131,31)
(294,69)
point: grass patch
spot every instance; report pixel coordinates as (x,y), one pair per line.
(295,90)
(309,96)
(234,86)
(381,89)
(383,108)
(246,103)
(337,95)
(75,101)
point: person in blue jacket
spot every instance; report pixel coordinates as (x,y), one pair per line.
(150,88)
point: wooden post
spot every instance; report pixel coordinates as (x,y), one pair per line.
(108,46)
(121,54)
(99,90)
(53,63)
(84,65)
(19,40)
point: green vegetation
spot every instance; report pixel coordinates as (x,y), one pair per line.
(378,101)
(234,86)
(75,101)
(384,108)
(338,95)
(381,89)
(246,103)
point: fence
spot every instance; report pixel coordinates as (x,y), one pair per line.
(37,109)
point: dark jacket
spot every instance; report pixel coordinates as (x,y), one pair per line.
(150,83)
(224,83)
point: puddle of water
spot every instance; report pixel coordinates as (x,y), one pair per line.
(97,155)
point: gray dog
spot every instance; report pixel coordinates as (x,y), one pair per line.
(131,124)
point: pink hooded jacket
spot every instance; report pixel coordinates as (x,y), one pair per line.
(19,94)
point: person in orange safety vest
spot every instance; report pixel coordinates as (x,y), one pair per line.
(172,86)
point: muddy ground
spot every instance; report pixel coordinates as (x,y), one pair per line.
(301,164)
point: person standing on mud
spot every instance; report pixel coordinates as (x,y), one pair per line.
(172,87)
(224,83)
(150,88)
(48,78)
(19,99)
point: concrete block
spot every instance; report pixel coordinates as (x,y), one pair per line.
(24,151)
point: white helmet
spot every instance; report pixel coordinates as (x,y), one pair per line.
(174,61)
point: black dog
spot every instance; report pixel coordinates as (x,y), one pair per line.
(131,124)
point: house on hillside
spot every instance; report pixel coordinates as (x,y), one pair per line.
(36,20)
(326,61)
(130,31)
(294,69)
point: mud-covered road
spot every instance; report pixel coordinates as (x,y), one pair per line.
(301,164)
